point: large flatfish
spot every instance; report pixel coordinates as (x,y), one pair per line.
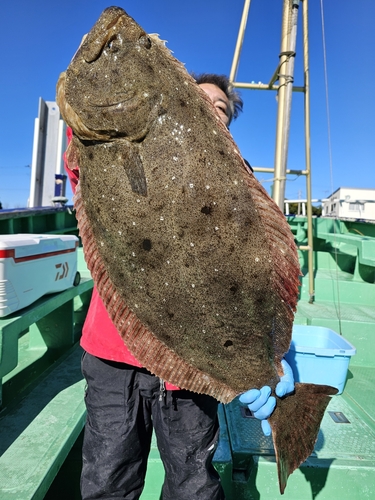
(195,263)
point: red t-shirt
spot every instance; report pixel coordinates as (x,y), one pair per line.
(99,335)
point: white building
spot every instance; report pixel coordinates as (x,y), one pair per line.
(352,203)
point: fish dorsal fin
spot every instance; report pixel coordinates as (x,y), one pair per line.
(286,269)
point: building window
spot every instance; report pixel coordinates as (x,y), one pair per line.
(356,207)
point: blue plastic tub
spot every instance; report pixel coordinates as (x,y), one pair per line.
(319,355)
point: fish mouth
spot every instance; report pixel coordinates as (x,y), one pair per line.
(109,105)
(115,105)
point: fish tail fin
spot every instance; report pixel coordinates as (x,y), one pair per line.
(295,425)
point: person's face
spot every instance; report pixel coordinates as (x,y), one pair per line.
(219,99)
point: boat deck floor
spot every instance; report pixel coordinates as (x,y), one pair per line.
(345,312)
(342,465)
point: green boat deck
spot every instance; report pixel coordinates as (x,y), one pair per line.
(43,413)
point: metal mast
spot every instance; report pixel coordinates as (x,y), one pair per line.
(284,75)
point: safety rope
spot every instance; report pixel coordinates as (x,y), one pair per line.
(330,159)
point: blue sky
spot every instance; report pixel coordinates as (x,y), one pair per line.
(39,37)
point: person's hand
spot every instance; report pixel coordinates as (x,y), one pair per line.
(286,384)
(262,404)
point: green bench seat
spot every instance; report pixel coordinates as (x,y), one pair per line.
(37,434)
(36,336)
(365,245)
(43,409)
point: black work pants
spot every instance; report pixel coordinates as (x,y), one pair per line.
(124,404)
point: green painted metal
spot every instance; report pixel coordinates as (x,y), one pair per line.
(34,337)
(155,474)
(37,434)
(340,448)
(43,409)
(46,220)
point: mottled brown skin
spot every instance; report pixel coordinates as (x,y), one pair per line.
(194,262)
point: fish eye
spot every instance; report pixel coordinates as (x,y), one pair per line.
(111,44)
(145,41)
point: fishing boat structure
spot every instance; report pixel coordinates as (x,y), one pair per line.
(42,409)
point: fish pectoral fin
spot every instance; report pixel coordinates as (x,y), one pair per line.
(295,425)
(132,162)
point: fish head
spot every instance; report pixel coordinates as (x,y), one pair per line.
(110,88)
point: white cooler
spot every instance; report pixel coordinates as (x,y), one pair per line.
(32,265)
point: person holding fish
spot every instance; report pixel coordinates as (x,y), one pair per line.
(125,402)
(195,268)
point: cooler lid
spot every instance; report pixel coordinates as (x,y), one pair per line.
(22,245)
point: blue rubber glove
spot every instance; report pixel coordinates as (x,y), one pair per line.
(262,404)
